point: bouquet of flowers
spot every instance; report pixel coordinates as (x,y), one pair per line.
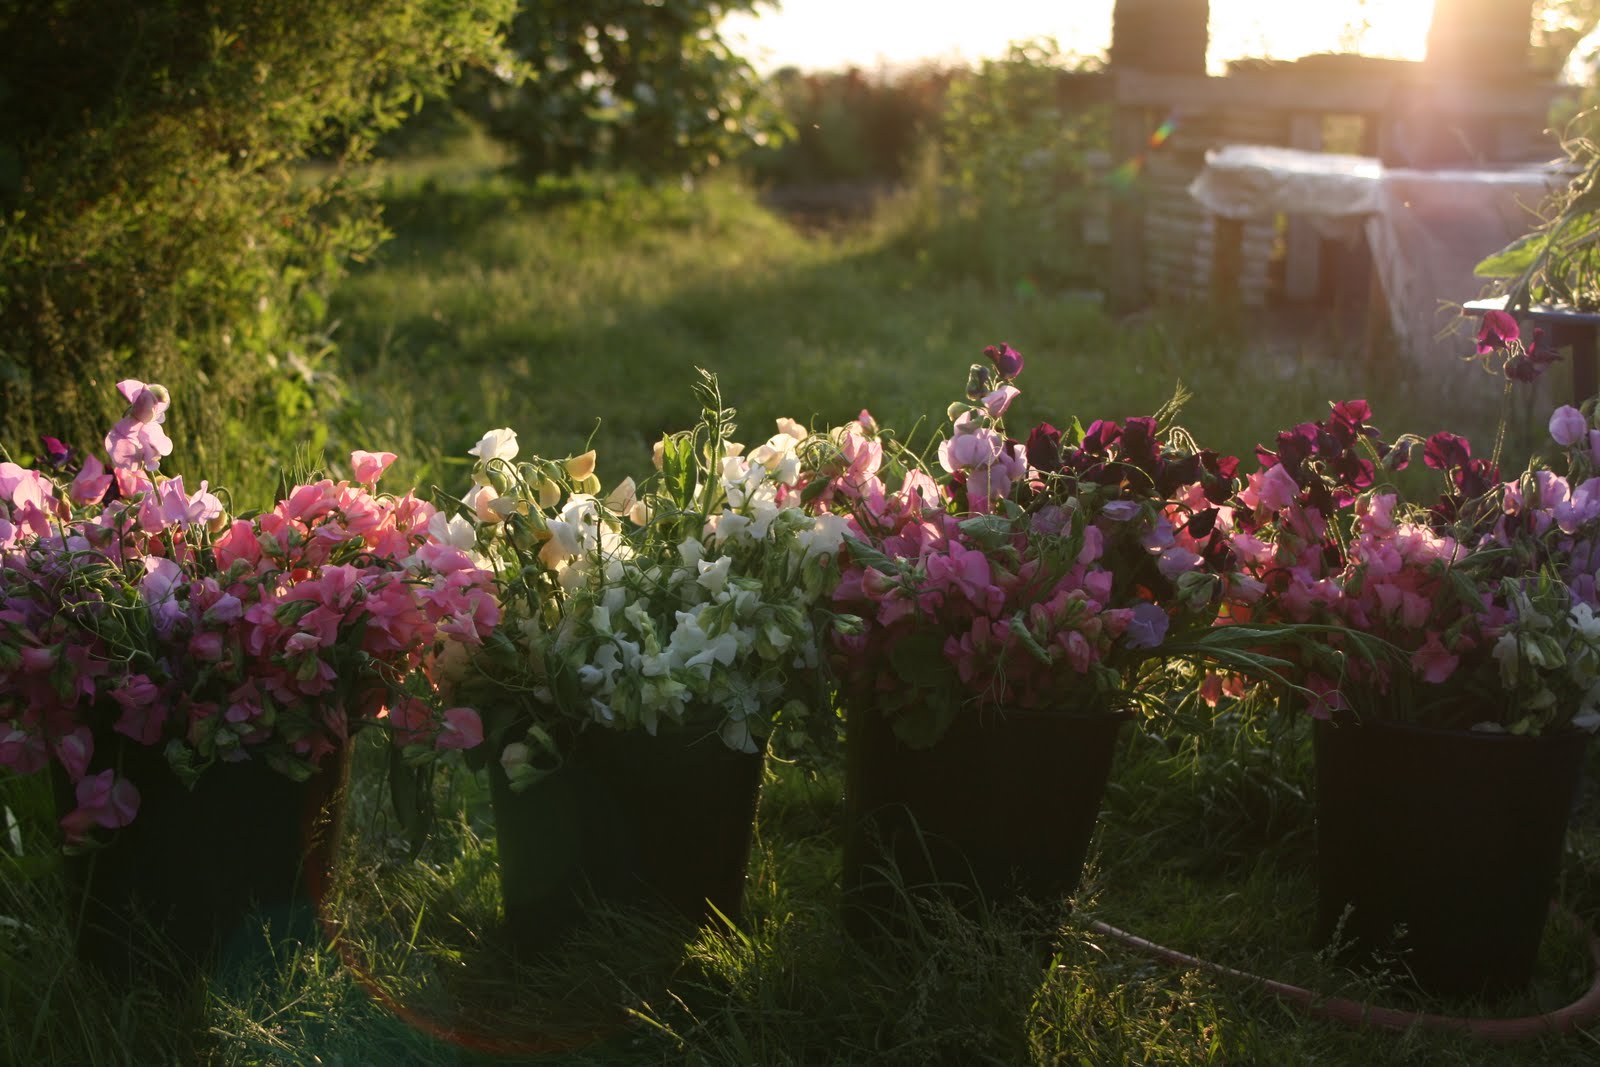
(132,604)
(1476,611)
(1036,575)
(686,604)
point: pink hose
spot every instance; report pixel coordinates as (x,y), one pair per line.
(1354,1013)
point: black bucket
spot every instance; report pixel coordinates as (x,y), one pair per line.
(1454,837)
(188,884)
(997,810)
(629,819)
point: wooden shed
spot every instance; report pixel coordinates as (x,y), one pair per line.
(1473,100)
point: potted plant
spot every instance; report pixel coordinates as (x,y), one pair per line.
(1551,276)
(659,641)
(191,677)
(1455,693)
(1003,613)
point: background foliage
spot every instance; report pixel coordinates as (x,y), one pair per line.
(650,87)
(153,222)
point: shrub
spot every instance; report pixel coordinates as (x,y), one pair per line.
(1003,192)
(642,85)
(156,222)
(852,125)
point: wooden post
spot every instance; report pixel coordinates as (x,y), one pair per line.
(1159,36)
(1302,244)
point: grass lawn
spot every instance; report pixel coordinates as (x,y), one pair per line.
(575,312)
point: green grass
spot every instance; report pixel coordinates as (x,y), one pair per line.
(549,307)
(576,311)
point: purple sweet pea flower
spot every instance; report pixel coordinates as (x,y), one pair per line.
(1148,627)
(1006,360)
(1568,426)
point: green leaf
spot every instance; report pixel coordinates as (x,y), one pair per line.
(919,660)
(1514,259)
(922,726)
(990,531)
(411,792)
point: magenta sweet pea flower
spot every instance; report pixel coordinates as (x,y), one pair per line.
(1007,360)
(1498,330)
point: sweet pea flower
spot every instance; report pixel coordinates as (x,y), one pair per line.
(103,800)
(1007,360)
(91,483)
(496,444)
(1568,426)
(1498,330)
(137,440)
(996,402)
(462,728)
(368,467)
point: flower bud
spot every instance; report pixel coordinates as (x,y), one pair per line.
(549,493)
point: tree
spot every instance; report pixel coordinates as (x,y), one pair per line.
(155,221)
(645,85)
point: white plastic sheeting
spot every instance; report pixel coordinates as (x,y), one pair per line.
(1426,229)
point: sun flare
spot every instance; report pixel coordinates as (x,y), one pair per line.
(819,34)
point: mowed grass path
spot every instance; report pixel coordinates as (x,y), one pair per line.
(559,309)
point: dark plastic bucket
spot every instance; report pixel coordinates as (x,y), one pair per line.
(628,819)
(198,871)
(995,811)
(1456,836)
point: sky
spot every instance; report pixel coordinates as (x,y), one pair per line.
(830,34)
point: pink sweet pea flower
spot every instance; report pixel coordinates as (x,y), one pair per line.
(103,800)
(138,440)
(143,712)
(369,466)
(1433,661)
(74,751)
(1275,488)
(90,486)
(996,402)
(462,729)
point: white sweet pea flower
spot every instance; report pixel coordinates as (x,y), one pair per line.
(452,530)
(727,527)
(825,535)
(734,470)
(791,428)
(722,649)
(620,500)
(691,552)
(779,457)
(714,575)
(762,513)
(736,735)
(1505,654)
(1587,624)
(496,444)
